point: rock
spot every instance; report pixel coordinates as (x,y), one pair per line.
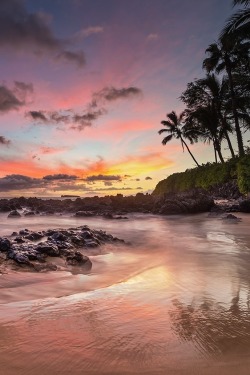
(77,240)
(108,215)
(14,214)
(244,205)
(34,236)
(19,240)
(5,244)
(61,243)
(58,236)
(29,213)
(48,248)
(19,258)
(77,259)
(186,203)
(84,214)
(24,232)
(91,243)
(231,218)
(86,234)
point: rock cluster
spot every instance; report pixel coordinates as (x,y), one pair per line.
(185,203)
(37,249)
(117,207)
(109,207)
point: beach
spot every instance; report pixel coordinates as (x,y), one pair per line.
(173,299)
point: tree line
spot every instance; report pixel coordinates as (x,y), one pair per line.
(218,105)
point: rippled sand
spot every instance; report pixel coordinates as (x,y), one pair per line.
(174,302)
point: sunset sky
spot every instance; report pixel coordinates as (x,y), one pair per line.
(85,85)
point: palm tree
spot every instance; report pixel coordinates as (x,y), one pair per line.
(210,92)
(204,122)
(224,56)
(175,129)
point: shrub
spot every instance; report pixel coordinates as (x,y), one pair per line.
(243,174)
(205,176)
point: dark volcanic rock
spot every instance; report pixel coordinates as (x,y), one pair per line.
(14,214)
(244,206)
(60,243)
(48,248)
(76,259)
(29,213)
(5,244)
(186,203)
(231,218)
(84,214)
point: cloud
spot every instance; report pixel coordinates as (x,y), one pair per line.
(4,141)
(86,119)
(148,178)
(8,100)
(108,183)
(22,30)
(38,115)
(51,150)
(15,97)
(59,176)
(77,57)
(84,33)
(111,93)
(78,120)
(102,177)
(152,37)
(93,110)
(18,182)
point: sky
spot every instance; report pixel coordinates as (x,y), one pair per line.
(85,85)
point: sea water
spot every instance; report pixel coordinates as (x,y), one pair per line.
(173,300)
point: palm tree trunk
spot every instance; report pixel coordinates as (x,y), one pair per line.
(235,114)
(215,156)
(220,154)
(192,156)
(224,127)
(217,148)
(229,144)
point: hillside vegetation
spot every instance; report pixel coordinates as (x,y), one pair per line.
(208,176)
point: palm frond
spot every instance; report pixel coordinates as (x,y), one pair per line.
(167,123)
(167,139)
(241,2)
(220,67)
(164,131)
(173,117)
(240,18)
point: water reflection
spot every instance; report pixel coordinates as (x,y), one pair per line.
(213,328)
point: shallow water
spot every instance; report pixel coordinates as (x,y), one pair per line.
(175,301)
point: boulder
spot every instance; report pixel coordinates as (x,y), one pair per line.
(5,244)
(14,214)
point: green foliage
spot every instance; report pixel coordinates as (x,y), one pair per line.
(206,176)
(243,173)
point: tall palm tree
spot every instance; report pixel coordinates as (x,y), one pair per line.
(174,127)
(224,56)
(204,122)
(210,92)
